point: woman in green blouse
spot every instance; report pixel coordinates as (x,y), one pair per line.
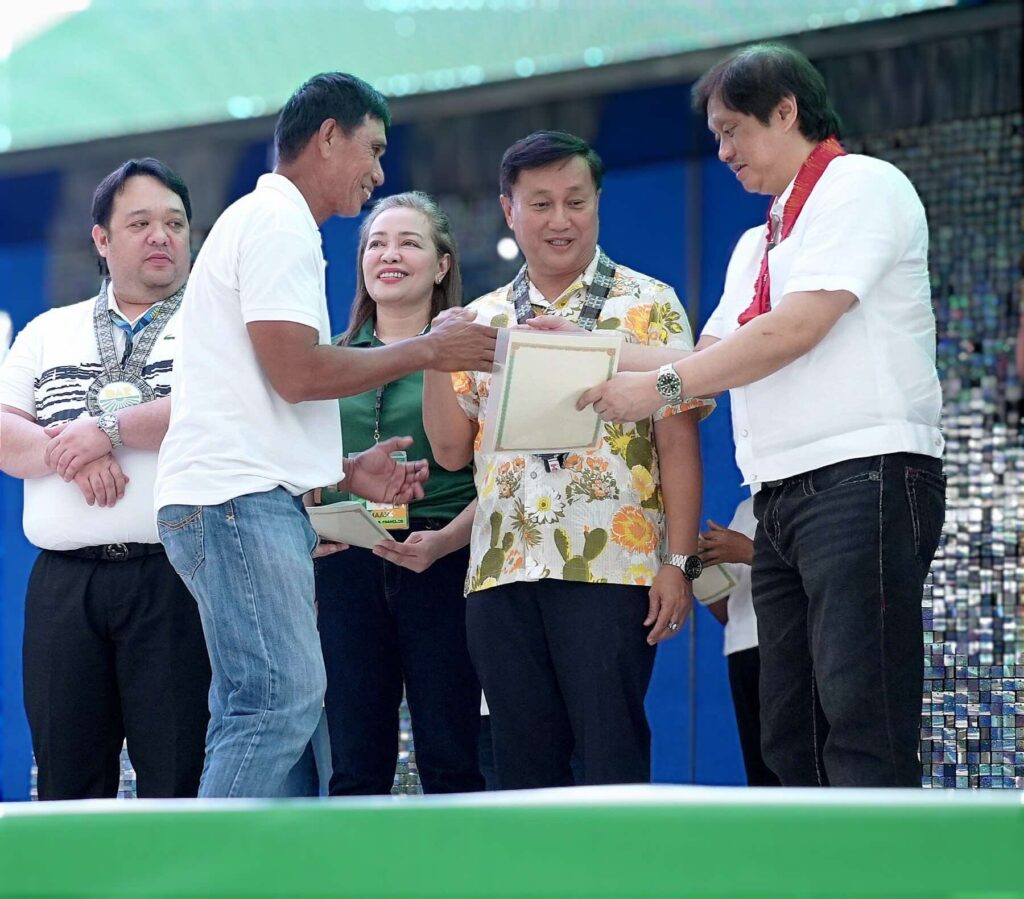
(395,616)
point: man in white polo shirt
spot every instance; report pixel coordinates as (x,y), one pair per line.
(113,641)
(255,425)
(827,341)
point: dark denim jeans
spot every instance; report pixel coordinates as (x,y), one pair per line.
(382,626)
(840,559)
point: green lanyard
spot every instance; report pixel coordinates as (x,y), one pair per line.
(378,411)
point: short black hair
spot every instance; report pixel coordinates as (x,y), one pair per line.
(542,148)
(753,80)
(113,184)
(330,95)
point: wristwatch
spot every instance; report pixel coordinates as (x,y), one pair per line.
(668,383)
(110,426)
(690,566)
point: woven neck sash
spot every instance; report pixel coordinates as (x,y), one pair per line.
(812,169)
(592,303)
(120,386)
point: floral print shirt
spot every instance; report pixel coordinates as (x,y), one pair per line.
(601,519)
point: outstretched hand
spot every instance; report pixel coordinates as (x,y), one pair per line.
(552,323)
(419,551)
(375,476)
(460,343)
(719,544)
(629,396)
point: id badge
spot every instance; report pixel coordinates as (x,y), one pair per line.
(393,518)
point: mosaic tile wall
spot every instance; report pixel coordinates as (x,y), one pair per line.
(969,175)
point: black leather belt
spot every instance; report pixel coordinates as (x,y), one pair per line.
(772,484)
(115,552)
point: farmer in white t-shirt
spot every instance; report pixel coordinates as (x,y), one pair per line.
(255,425)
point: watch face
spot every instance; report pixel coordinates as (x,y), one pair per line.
(693,567)
(667,384)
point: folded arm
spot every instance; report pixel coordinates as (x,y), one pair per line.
(22,445)
(76,444)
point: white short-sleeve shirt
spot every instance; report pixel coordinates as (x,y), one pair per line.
(741,627)
(46,375)
(231,433)
(870,386)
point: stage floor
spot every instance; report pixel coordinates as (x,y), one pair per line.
(589,842)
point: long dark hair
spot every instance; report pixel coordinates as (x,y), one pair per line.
(445,295)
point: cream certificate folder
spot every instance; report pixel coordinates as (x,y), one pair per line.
(538,376)
(714,583)
(347,522)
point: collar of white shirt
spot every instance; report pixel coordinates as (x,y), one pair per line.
(274,181)
(587,278)
(113,307)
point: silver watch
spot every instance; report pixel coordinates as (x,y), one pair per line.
(668,383)
(690,566)
(110,426)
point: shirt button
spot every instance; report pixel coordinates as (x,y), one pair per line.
(744,433)
(533,474)
(938,441)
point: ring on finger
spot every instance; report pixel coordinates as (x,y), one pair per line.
(673,626)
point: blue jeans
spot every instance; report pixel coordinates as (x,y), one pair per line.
(311,775)
(840,559)
(247,562)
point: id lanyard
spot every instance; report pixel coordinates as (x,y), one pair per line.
(378,409)
(391,517)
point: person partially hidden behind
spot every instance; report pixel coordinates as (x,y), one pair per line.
(733,546)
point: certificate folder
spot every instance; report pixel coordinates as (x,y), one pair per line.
(347,522)
(538,377)
(715,583)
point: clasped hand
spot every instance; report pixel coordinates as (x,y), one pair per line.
(74,445)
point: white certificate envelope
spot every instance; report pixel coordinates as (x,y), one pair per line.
(538,377)
(347,522)
(714,583)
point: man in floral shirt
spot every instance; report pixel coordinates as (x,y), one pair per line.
(567,593)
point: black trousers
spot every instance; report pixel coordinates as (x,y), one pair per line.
(114,649)
(840,558)
(565,667)
(382,626)
(744,671)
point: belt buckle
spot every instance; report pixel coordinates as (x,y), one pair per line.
(115,552)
